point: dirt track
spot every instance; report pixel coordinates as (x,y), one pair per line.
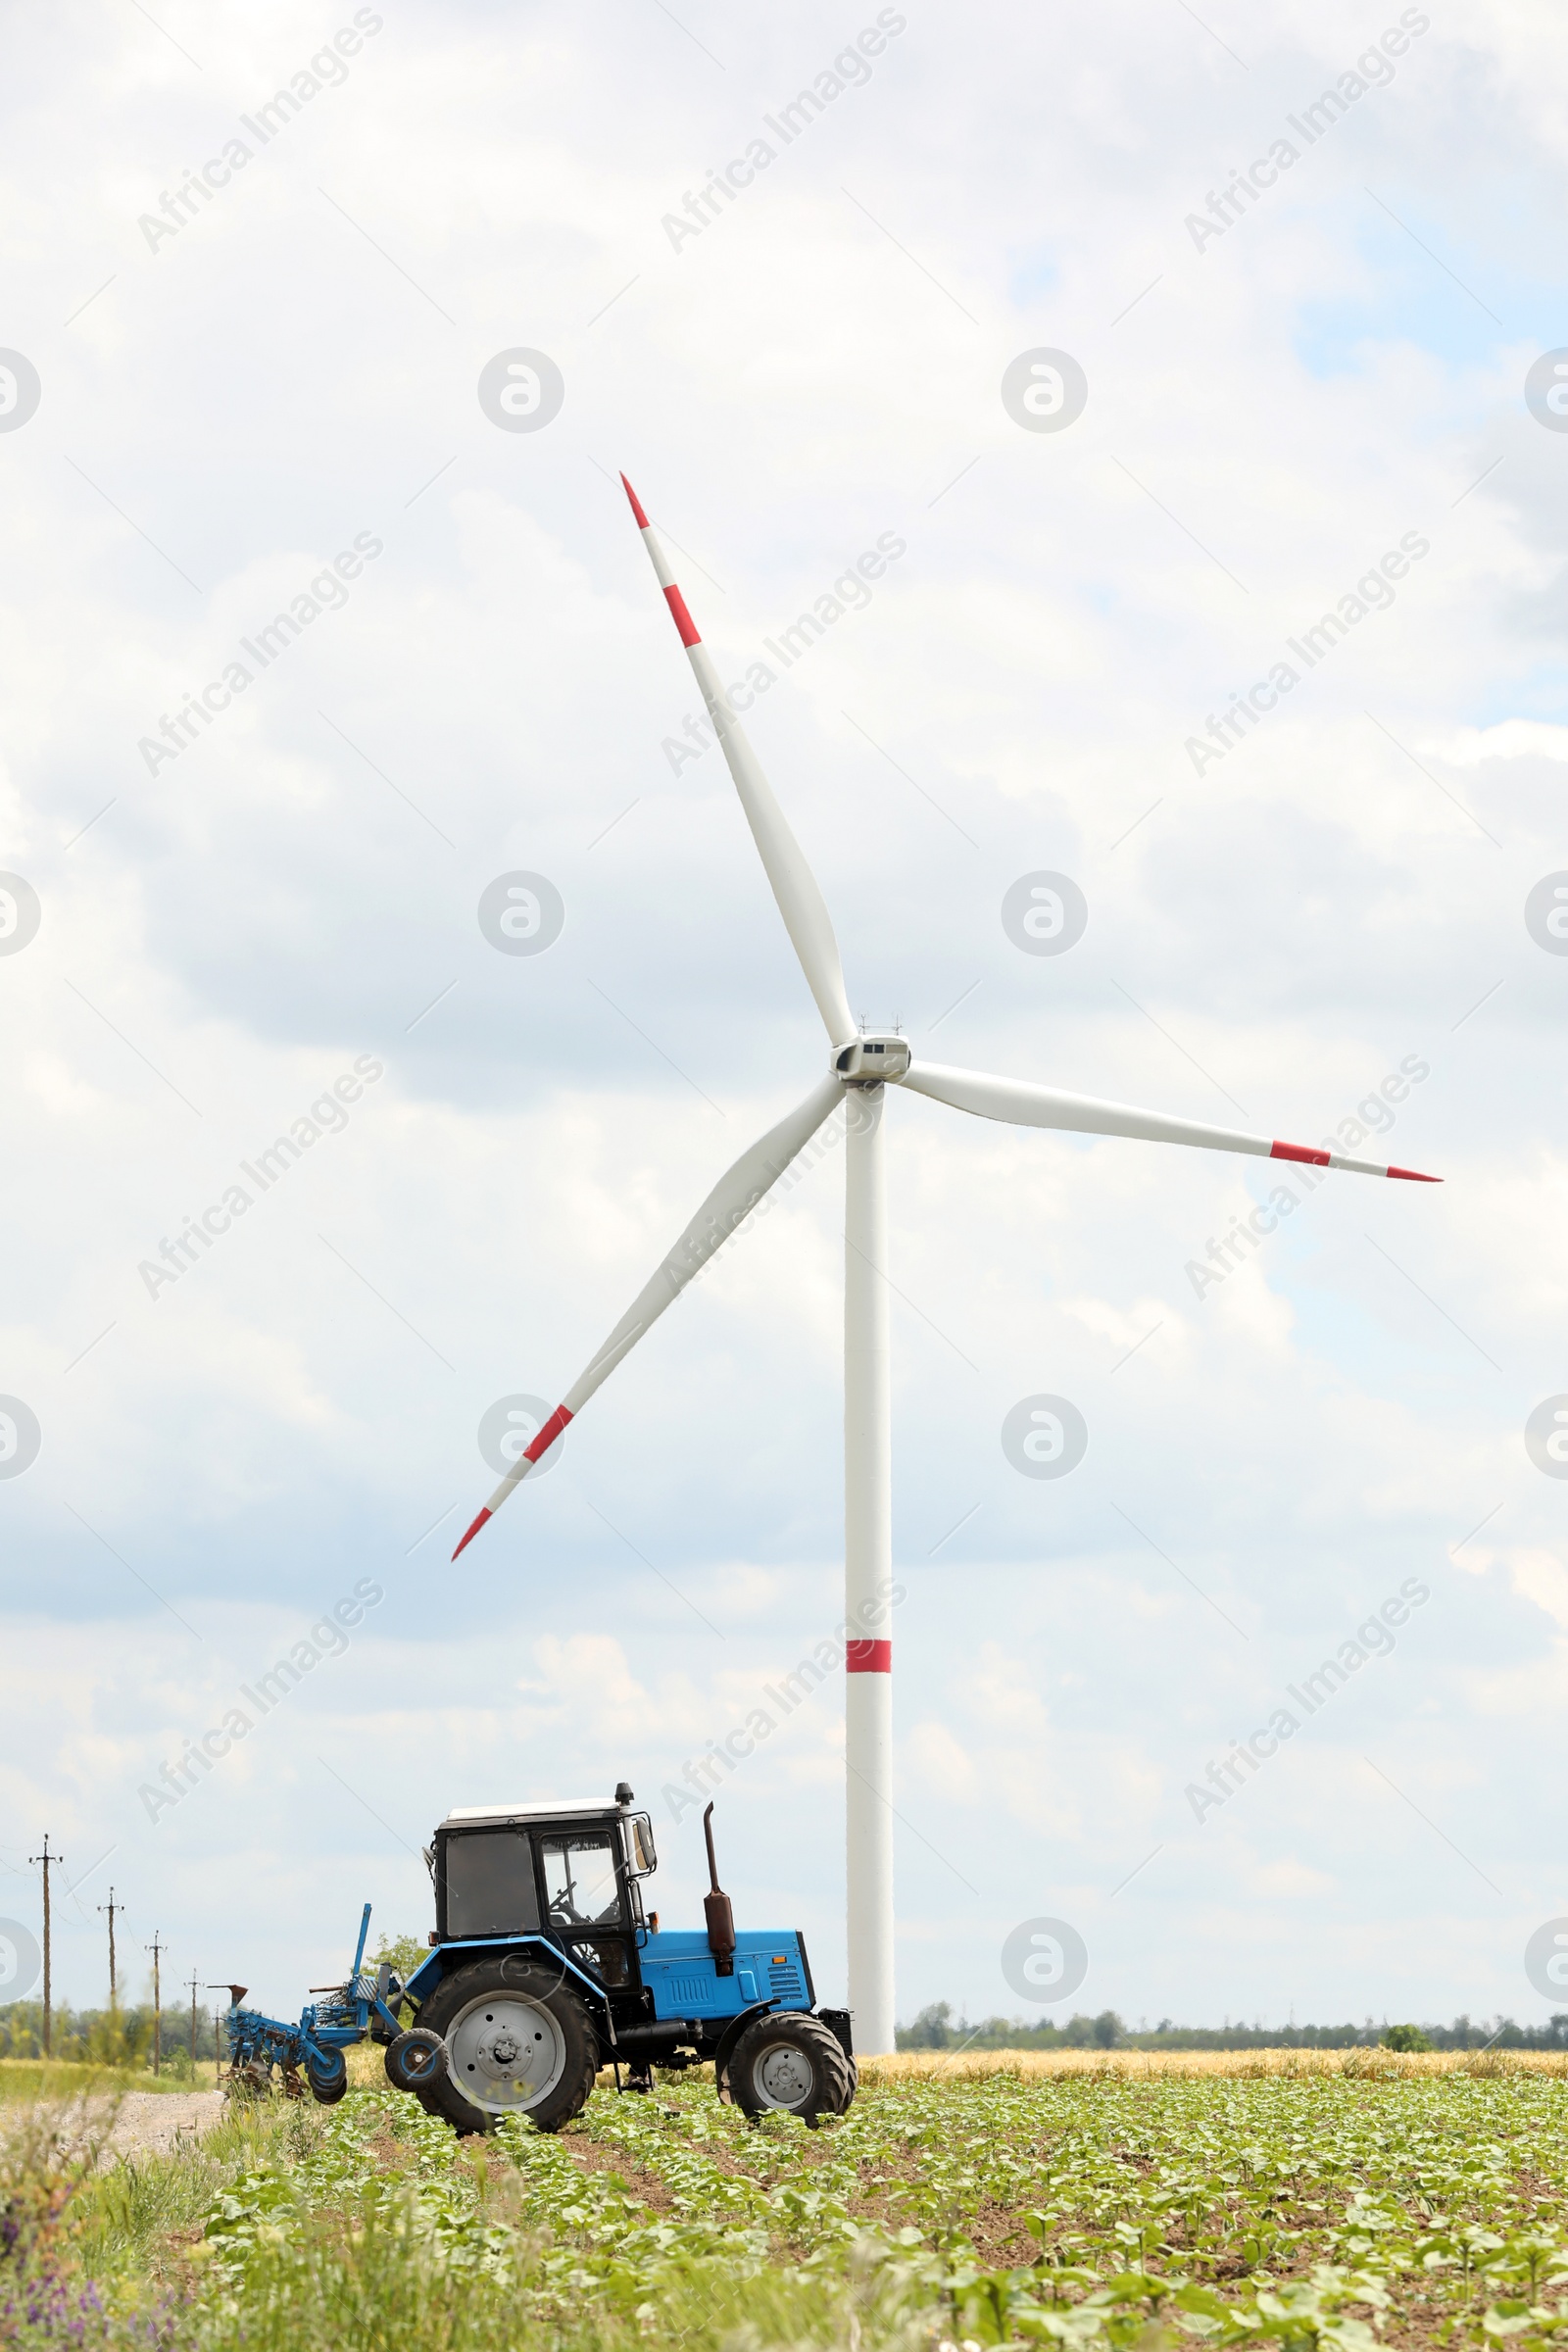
(149,2120)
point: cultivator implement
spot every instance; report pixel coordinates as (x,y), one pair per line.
(310,2054)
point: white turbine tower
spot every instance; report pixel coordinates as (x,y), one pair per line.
(861,1066)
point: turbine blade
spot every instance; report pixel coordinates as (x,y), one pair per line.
(1021,1104)
(732,1199)
(795,887)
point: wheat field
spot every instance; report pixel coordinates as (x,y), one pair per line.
(1244,2066)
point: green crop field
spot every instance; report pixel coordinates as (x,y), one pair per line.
(1399,2201)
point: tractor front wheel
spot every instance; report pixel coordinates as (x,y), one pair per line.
(792,2061)
(519,2043)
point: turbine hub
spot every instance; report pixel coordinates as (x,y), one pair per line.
(873,1058)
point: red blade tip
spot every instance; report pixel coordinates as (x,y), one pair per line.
(636,503)
(1414,1176)
(474,1528)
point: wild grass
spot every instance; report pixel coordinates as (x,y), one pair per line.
(53,2081)
(366,2065)
(386,2290)
(139,2217)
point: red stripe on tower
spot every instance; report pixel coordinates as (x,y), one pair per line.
(636,503)
(683,619)
(1314,1159)
(547,1436)
(868,1658)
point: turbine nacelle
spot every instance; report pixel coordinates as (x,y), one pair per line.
(873,1057)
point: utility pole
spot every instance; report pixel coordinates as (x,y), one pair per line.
(194,1984)
(157,1951)
(48,1860)
(112,1907)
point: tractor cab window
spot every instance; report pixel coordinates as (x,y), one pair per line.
(489,1883)
(583,1900)
(581,1889)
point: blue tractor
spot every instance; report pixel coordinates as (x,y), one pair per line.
(543,1968)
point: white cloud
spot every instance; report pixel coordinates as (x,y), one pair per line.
(1510,739)
(1291,1879)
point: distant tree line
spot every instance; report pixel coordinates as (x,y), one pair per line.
(106,2037)
(936,2029)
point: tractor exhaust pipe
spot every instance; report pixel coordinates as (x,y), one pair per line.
(717,1909)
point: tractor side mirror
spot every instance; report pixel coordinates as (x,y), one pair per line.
(642,1845)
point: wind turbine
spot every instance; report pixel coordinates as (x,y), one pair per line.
(862,1066)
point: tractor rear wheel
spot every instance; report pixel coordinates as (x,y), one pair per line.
(519,2042)
(790,2060)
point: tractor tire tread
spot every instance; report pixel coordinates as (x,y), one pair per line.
(836,2074)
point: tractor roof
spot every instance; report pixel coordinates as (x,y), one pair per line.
(558,1808)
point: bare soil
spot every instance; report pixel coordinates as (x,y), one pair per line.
(149,2122)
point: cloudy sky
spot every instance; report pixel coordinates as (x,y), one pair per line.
(241,344)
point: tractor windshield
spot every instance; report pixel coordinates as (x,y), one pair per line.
(580,1886)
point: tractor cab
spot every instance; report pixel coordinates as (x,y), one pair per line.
(566,1869)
